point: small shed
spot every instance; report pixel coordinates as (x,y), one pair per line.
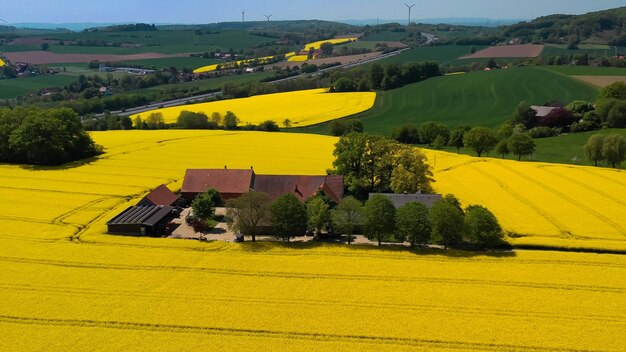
(160,196)
(141,220)
(399,200)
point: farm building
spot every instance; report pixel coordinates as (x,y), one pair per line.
(399,200)
(543,111)
(141,220)
(232,183)
(160,196)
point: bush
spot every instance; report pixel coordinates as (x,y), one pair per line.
(203,206)
(340,128)
(193,120)
(268,126)
(543,132)
(407,134)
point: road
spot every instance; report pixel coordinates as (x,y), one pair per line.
(187,100)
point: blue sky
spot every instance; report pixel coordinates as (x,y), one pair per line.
(207,11)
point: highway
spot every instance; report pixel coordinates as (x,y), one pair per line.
(187,100)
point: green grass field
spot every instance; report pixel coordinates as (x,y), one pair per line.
(478,98)
(587,70)
(12,88)
(165,42)
(178,62)
(566,149)
(441,54)
(213,83)
(596,51)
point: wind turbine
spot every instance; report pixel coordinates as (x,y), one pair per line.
(268,17)
(409,7)
(243,20)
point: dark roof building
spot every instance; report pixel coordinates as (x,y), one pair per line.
(543,111)
(303,187)
(230,183)
(399,200)
(141,220)
(160,196)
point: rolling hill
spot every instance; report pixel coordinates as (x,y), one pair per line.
(478,98)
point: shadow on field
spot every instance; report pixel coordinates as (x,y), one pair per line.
(66,166)
(418,251)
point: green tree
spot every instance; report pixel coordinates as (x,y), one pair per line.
(482,227)
(230,121)
(343,84)
(439,142)
(155,121)
(289,217)
(502,148)
(347,216)
(456,138)
(327,48)
(268,126)
(447,223)
(249,213)
(43,137)
(430,130)
(480,139)
(45,46)
(192,120)
(287,123)
(407,134)
(617,115)
(615,90)
(594,147)
(138,122)
(614,149)
(380,218)
(413,224)
(203,206)
(521,145)
(524,115)
(411,172)
(376,75)
(216,118)
(318,214)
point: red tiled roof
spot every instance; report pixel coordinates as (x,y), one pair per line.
(223,180)
(304,187)
(161,196)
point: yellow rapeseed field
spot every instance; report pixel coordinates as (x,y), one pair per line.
(318,44)
(210,68)
(303,108)
(2,62)
(65,286)
(298,58)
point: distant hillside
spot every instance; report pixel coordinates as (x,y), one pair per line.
(285,26)
(602,27)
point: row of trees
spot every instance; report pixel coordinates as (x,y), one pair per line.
(199,120)
(505,140)
(446,223)
(382,76)
(611,149)
(43,137)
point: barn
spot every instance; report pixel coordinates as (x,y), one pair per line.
(141,220)
(159,196)
(231,183)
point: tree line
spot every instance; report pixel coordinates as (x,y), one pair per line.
(446,223)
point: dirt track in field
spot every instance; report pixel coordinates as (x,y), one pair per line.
(507,51)
(46,57)
(601,81)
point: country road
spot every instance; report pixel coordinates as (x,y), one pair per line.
(187,100)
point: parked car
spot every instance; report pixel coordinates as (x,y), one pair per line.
(190,218)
